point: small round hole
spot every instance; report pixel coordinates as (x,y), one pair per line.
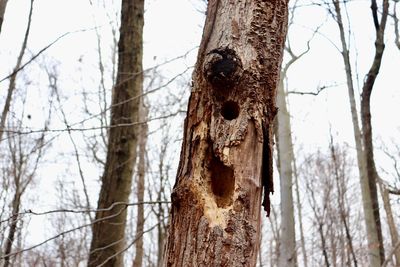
(230,110)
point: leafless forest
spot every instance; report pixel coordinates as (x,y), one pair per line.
(106,117)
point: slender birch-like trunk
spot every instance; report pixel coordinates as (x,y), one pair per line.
(138,260)
(394,234)
(374,235)
(287,242)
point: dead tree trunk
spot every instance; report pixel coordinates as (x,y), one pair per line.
(226,155)
(109,228)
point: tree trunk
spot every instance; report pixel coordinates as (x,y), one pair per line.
(370,223)
(13,77)
(226,153)
(341,190)
(16,203)
(137,262)
(160,214)
(109,228)
(3,5)
(300,216)
(323,243)
(396,26)
(287,255)
(366,119)
(394,235)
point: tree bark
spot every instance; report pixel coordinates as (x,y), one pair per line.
(3,5)
(226,153)
(109,230)
(287,255)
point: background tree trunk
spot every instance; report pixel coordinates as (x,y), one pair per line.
(287,255)
(366,118)
(374,235)
(394,235)
(138,260)
(226,153)
(13,77)
(3,5)
(109,227)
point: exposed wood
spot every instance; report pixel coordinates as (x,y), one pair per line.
(108,239)
(226,154)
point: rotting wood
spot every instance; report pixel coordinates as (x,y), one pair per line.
(226,154)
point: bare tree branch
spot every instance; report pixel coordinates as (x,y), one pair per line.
(319,90)
(71,129)
(31,212)
(82,226)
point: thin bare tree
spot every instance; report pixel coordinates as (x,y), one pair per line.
(371,173)
(13,77)
(108,244)
(141,174)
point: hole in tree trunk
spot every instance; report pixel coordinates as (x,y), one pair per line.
(230,110)
(222,182)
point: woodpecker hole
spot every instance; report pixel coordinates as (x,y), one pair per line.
(230,110)
(222,183)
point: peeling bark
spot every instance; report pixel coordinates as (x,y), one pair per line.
(226,155)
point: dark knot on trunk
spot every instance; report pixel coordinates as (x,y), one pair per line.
(222,67)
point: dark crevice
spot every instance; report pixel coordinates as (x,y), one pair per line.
(230,110)
(222,182)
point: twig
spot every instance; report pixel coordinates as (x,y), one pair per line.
(29,211)
(319,90)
